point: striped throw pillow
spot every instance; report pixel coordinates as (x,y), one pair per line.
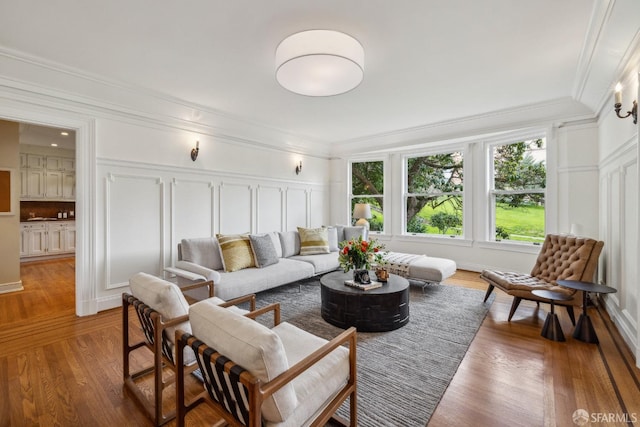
(313,241)
(236,251)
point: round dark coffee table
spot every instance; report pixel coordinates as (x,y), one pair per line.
(376,310)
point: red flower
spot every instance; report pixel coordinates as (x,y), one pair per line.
(376,249)
(345,250)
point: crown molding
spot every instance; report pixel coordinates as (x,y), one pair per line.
(59,84)
(610,50)
(561,110)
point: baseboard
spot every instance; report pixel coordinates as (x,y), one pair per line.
(11,287)
(111,301)
(626,327)
(471,267)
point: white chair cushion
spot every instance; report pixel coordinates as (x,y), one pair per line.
(316,386)
(166,298)
(249,344)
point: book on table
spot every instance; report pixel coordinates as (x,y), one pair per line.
(363,286)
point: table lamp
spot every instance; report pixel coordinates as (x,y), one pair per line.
(362,211)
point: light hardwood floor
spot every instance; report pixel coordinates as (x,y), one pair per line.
(59,369)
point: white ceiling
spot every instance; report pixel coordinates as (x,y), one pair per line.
(44,136)
(426,61)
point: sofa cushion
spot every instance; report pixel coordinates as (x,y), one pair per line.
(290,242)
(263,249)
(322,263)
(249,344)
(332,234)
(202,251)
(313,241)
(236,251)
(254,280)
(355,232)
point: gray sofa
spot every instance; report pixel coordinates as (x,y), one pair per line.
(201,259)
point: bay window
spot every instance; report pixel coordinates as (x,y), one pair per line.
(434,194)
(517,183)
(367,186)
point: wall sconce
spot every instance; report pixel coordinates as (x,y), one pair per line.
(618,105)
(299,168)
(195,151)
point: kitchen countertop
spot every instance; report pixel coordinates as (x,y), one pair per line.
(40,219)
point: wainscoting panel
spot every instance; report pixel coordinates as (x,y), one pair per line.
(235,208)
(296,208)
(134,226)
(269,209)
(629,256)
(619,228)
(192,208)
(318,202)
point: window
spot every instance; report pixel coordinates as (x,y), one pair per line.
(367,186)
(517,190)
(434,194)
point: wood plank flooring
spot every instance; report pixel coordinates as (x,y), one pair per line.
(59,369)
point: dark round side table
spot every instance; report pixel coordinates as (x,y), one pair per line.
(552,329)
(382,309)
(584,329)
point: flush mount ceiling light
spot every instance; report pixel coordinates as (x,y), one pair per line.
(319,63)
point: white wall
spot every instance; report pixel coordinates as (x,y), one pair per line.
(139,192)
(145,210)
(619,219)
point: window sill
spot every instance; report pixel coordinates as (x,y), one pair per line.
(444,240)
(526,248)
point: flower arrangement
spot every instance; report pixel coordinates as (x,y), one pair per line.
(360,254)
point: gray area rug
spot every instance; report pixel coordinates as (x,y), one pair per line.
(402,374)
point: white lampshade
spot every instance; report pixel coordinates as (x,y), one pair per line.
(319,63)
(362,210)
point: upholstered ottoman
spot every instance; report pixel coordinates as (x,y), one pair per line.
(420,268)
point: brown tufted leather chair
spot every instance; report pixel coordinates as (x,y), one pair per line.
(562,257)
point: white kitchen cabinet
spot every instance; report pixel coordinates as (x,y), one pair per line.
(47,177)
(35,184)
(55,238)
(35,161)
(24,239)
(70,236)
(47,238)
(37,240)
(53,184)
(69,185)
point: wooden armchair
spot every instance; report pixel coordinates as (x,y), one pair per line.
(161,308)
(256,376)
(561,257)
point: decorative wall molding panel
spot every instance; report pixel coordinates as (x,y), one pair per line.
(134,227)
(270,209)
(619,230)
(192,206)
(236,206)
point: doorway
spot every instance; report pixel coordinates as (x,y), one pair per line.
(48,214)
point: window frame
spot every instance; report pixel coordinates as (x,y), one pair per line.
(467,159)
(491,192)
(351,196)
